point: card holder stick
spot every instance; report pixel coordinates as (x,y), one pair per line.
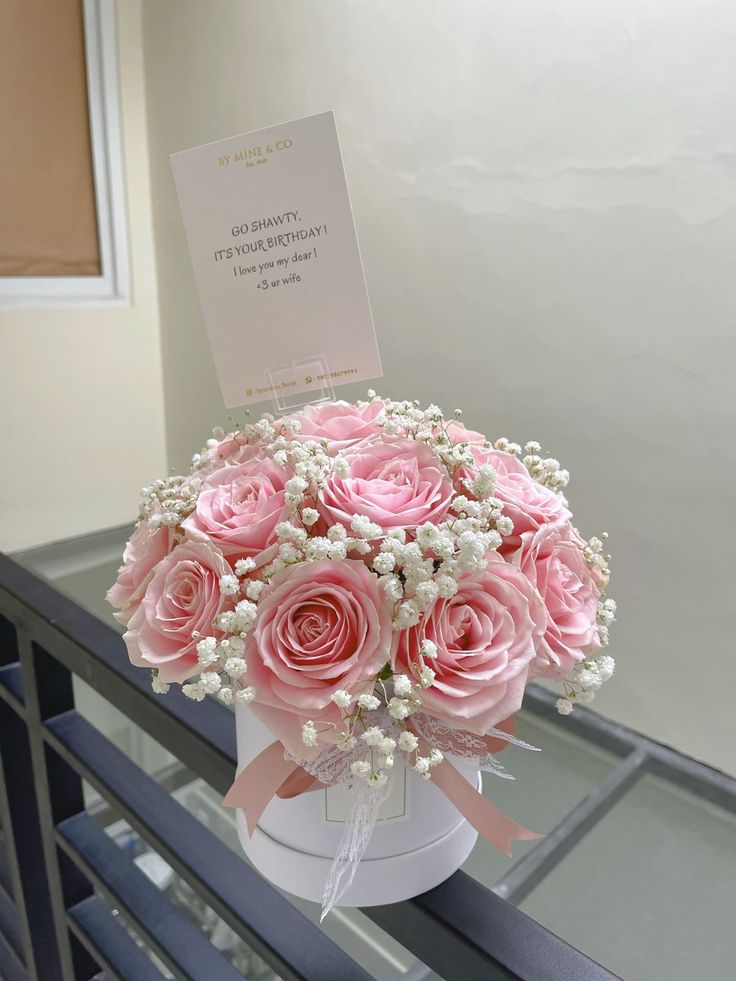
(313,371)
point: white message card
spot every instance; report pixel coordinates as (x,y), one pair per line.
(276,261)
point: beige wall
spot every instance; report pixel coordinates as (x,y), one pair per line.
(81,407)
(546,201)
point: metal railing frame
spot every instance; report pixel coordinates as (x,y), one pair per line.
(55,860)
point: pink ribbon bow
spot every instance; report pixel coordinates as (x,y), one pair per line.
(270,775)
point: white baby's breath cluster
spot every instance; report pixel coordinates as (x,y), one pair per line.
(413,571)
(597,559)
(413,574)
(584,681)
(589,674)
(225,669)
(545,470)
(221,654)
(605,617)
(374,727)
(168,501)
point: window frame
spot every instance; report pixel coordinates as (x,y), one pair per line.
(112,286)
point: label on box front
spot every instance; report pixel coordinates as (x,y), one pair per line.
(338,801)
(276,261)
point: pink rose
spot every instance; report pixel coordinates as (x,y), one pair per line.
(529,504)
(182,597)
(396,483)
(341,423)
(239,507)
(552,559)
(233,447)
(459,433)
(145,549)
(485,639)
(321,626)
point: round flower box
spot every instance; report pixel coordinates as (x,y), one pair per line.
(419,840)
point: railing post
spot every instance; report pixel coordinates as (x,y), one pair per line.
(58,793)
(23,842)
(19,814)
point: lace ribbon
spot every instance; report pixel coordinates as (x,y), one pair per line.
(354,841)
(332,767)
(460,742)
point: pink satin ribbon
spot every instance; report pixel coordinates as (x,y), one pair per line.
(495,744)
(259,782)
(270,775)
(487,820)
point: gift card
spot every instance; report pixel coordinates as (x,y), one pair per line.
(276,260)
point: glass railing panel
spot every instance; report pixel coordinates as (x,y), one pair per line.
(546,787)
(650,891)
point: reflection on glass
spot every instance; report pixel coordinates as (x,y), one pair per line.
(651,890)
(547,785)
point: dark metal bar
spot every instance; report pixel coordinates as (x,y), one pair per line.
(698,778)
(702,779)
(109,943)
(58,794)
(594,728)
(11,687)
(185,951)
(11,681)
(24,855)
(6,881)
(463,932)
(8,642)
(10,967)
(534,866)
(10,926)
(268,923)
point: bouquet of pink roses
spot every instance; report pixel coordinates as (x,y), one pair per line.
(378,583)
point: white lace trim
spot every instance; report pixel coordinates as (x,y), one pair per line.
(332,767)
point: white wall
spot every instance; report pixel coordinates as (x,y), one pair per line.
(545,196)
(81,406)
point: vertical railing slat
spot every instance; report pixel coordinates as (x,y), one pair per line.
(24,853)
(58,795)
